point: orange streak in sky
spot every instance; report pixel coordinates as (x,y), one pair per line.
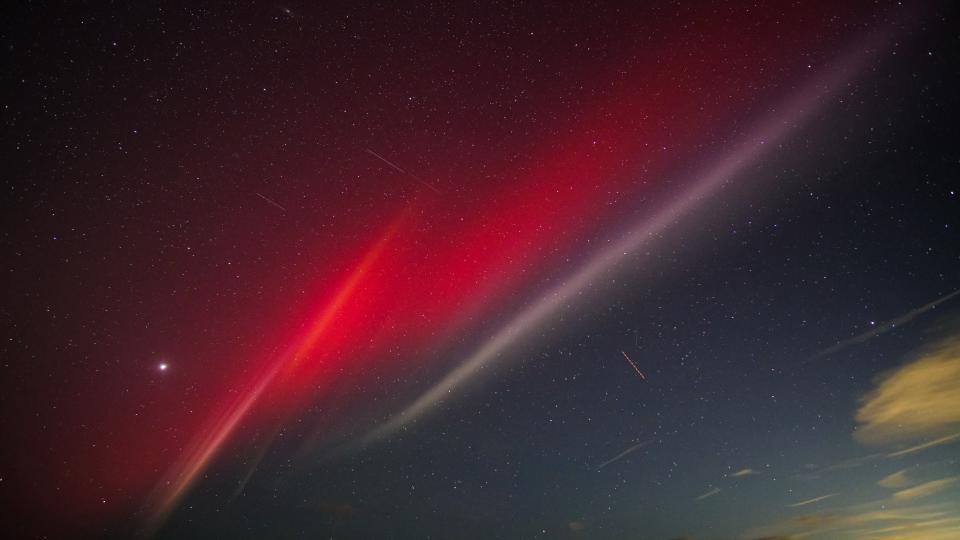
(322,322)
(204,448)
(634,366)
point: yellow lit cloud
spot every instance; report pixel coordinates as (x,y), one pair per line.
(925,489)
(895,481)
(920,399)
(867,521)
(744,472)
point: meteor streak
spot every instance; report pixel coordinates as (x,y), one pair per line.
(623,454)
(271,201)
(634,366)
(811,501)
(708,494)
(397,168)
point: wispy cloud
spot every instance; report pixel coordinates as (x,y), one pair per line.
(813,500)
(710,493)
(920,399)
(816,471)
(926,489)
(929,444)
(895,481)
(870,520)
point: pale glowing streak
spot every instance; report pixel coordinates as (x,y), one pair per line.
(886,326)
(928,444)
(811,501)
(767,136)
(708,494)
(624,454)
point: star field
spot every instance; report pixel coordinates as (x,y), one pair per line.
(497,270)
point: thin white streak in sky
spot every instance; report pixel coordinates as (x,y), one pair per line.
(763,141)
(708,494)
(811,501)
(623,454)
(885,327)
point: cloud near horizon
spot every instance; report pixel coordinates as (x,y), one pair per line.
(896,480)
(926,489)
(920,399)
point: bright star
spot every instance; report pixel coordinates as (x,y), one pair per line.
(163,366)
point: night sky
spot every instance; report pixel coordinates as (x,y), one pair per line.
(471,271)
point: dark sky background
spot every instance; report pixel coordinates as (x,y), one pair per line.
(493,270)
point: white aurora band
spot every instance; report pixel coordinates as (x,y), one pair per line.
(772,130)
